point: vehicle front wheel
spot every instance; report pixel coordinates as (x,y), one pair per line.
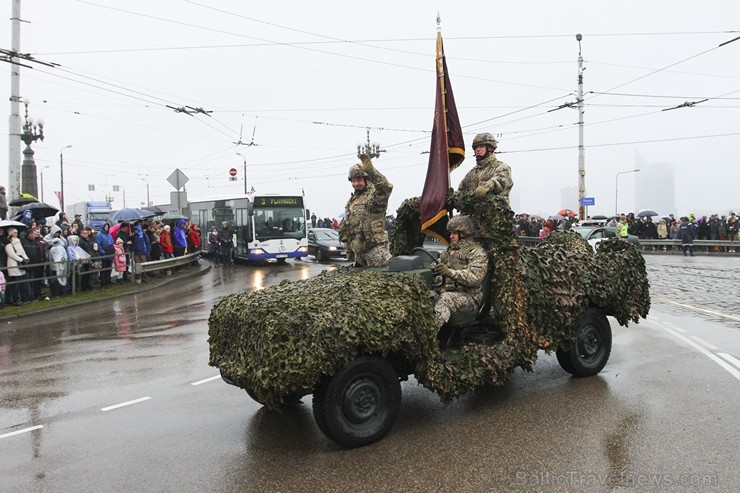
(590,350)
(319,255)
(360,404)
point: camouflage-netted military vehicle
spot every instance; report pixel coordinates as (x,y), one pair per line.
(351,335)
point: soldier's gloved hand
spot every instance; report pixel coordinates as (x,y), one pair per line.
(497,188)
(480,191)
(367,164)
(441,270)
(451,200)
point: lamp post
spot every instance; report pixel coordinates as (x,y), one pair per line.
(61,177)
(33,130)
(371,149)
(146,180)
(245,172)
(42,182)
(616,188)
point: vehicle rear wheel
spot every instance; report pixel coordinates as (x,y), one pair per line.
(319,255)
(360,404)
(591,348)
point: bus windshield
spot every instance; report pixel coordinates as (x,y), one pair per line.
(282,222)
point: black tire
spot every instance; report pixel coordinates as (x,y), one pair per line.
(251,394)
(360,404)
(591,348)
(282,261)
(319,255)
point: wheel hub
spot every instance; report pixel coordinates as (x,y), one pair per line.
(361,399)
(589,343)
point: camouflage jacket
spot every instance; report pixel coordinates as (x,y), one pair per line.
(491,173)
(363,226)
(468,263)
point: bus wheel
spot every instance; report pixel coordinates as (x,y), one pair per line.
(282,261)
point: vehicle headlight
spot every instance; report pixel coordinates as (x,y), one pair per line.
(332,248)
(303,249)
(258,251)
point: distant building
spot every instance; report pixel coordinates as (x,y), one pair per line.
(655,187)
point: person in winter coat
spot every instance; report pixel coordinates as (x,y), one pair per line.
(165,240)
(16,291)
(213,244)
(141,248)
(194,241)
(27,218)
(34,249)
(179,239)
(119,260)
(687,233)
(77,256)
(105,242)
(59,267)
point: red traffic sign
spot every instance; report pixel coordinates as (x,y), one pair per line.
(232,172)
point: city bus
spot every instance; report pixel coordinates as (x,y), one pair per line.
(265,227)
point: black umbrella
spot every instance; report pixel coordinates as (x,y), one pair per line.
(25,198)
(173,216)
(39,210)
(599,217)
(129,214)
(646,213)
(158,211)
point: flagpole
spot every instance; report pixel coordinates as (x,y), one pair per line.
(441,76)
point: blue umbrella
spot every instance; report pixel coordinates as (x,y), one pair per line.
(129,214)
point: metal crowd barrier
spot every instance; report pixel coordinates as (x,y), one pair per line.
(167,265)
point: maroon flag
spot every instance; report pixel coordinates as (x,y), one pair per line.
(446,153)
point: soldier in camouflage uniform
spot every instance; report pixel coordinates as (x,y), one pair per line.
(462,268)
(489,174)
(363,227)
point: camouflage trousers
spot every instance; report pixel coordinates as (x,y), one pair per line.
(450,302)
(377,256)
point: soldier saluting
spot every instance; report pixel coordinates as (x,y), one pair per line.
(363,227)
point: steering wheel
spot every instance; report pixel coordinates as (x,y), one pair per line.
(431,256)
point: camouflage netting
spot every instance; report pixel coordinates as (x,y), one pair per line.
(407,228)
(279,341)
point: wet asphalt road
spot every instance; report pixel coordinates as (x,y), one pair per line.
(662,416)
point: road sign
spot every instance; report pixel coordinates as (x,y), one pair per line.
(588,201)
(232,172)
(177,179)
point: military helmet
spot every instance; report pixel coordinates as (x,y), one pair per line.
(485,138)
(462,224)
(356,172)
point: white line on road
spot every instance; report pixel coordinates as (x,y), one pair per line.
(206,380)
(730,358)
(735,373)
(703,310)
(24,430)
(704,343)
(116,406)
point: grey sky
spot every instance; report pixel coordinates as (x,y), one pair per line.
(313,75)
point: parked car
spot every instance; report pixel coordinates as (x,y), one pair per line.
(595,234)
(323,243)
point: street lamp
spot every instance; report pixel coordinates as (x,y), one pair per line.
(42,181)
(33,130)
(616,188)
(146,180)
(61,177)
(371,149)
(245,172)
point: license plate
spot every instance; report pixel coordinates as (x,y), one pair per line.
(282,255)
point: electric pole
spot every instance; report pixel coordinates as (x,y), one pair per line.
(581,150)
(14,120)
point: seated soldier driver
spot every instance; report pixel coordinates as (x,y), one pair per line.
(462,268)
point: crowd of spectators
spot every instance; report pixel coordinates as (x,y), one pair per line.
(714,227)
(40,257)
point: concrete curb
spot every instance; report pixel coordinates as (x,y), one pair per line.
(205,266)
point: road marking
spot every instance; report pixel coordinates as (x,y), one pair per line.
(703,310)
(206,380)
(730,358)
(116,406)
(735,373)
(704,343)
(24,430)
